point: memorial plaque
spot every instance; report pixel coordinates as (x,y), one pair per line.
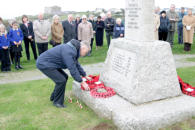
(122,65)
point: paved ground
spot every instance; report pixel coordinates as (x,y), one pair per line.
(15,77)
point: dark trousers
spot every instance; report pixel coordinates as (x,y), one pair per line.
(42,47)
(11,54)
(17,56)
(163,36)
(187,47)
(170,37)
(92,39)
(60,78)
(33,47)
(180,35)
(5,60)
(109,36)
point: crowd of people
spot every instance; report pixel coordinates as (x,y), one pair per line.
(37,34)
(168,22)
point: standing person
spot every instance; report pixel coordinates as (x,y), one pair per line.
(180,25)
(92,21)
(4,49)
(99,35)
(109,27)
(65,56)
(188,29)
(164,26)
(27,30)
(9,27)
(69,27)
(57,31)
(156,25)
(85,31)
(173,18)
(16,38)
(42,30)
(119,29)
(77,22)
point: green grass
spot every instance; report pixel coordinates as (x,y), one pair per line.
(187,74)
(27,106)
(191,59)
(179,49)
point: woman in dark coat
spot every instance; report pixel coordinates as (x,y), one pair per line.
(99,29)
(164,26)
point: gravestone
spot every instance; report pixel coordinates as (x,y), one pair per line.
(139,68)
(142,71)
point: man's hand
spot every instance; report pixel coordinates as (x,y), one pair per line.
(30,37)
(85,86)
(88,78)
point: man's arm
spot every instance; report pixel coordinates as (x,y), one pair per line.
(72,67)
(80,69)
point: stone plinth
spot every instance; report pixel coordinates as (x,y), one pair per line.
(141,72)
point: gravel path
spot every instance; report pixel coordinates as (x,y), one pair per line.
(16,77)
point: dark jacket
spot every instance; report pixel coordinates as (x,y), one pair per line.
(64,56)
(164,24)
(110,27)
(118,30)
(93,23)
(27,31)
(69,31)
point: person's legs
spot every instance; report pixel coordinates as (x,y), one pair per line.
(26,43)
(33,47)
(7,60)
(11,54)
(45,47)
(39,46)
(108,38)
(66,76)
(179,34)
(60,82)
(160,34)
(92,39)
(3,61)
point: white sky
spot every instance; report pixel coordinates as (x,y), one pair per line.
(12,8)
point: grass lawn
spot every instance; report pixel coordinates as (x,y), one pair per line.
(191,59)
(27,106)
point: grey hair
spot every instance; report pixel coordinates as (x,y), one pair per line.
(118,20)
(55,17)
(85,45)
(2,26)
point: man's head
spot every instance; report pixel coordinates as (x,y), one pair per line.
(70,18)
(84,49)
(172,8)
(189,11)
(182,9)
(78,17)
(118,21)
(157,10)
(40,16)
(109,15)
(84,18)
(91,17)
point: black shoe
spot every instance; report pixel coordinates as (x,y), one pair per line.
(59,105)
(17,68)
(20,67)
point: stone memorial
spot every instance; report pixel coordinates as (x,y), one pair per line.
(142,71)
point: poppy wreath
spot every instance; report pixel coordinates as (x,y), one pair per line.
(185,87)
(97,88)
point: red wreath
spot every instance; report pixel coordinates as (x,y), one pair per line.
(185,87)
(95,85)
